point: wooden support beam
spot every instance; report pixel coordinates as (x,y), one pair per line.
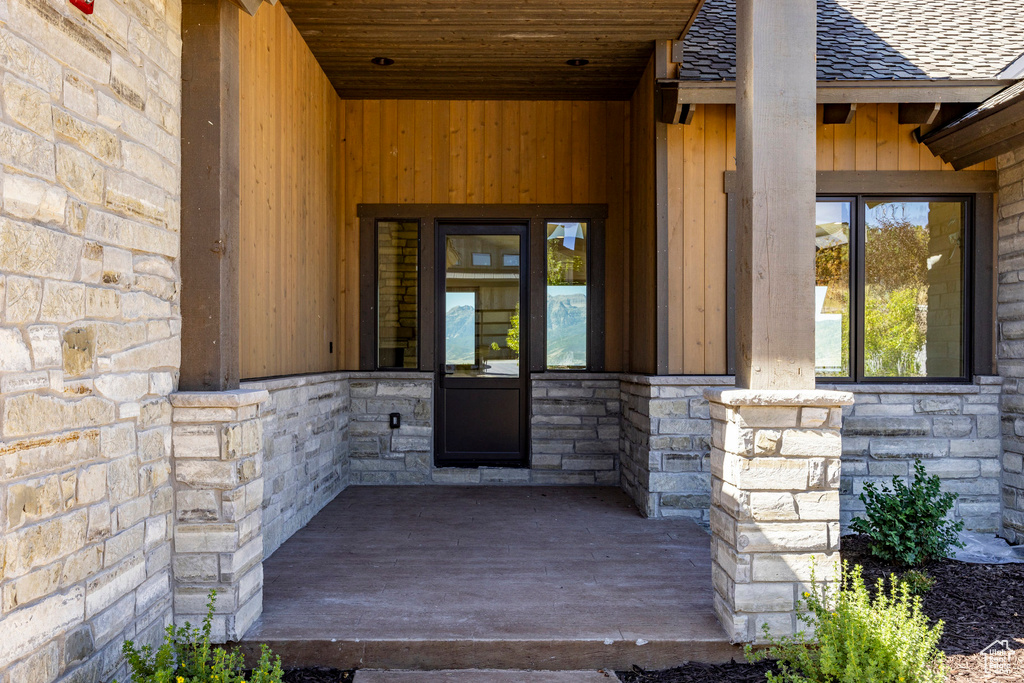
(664,67)
(673,108)
(839,113)
(923,113)
(775,170)
(210,199)
(250,6)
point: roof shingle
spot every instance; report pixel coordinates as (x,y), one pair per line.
(878,40)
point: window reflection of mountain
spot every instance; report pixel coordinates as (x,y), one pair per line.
(567,329)
(460,336)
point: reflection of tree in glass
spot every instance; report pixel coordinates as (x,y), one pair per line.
(512,338)
(560,264)
(896,296)
(832,269)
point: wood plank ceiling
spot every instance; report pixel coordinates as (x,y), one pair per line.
(487,49)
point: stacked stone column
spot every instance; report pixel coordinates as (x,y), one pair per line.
(775,462)
(218,534)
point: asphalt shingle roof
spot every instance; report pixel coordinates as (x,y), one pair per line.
(878,40)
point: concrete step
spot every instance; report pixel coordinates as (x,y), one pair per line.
(706,644)
(484,676)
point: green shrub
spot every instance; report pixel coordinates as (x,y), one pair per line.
(918,581)
(882,639)
(907,525)
(187,656)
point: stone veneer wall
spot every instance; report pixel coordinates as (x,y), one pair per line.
(89,331)
(379,454)
(954,429)
(1010,350)
(306,450)
(666,443)
(218,503)
(575,429)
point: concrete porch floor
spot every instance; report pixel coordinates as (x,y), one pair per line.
(490,577)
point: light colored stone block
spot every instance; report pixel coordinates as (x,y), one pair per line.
(811,443)
(205,538)
(764,597)
(794,567)
(772,507)
(771,537)
(30,627)
(14,352)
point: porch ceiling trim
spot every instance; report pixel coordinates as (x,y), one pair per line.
(483,211)
(896,182)
(487,49)
(836,92)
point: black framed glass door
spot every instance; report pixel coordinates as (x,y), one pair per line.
(483,375)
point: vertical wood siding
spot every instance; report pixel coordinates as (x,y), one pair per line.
(308,158)
(484,152)
(290,173)
(698,154)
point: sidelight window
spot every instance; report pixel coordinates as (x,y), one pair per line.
(567,295)
(397,294)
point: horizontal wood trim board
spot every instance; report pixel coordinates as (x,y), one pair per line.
(864,93)
(896,182)
(488,211)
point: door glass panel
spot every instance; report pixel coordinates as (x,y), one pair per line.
(567,295)
(482,276)
(832,289)
(913,289)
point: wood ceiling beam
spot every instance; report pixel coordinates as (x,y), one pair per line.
(923,113)
(839,113)
(249,6)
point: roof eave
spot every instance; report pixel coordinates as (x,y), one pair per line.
(984,133)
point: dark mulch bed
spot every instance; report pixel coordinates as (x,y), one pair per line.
(736,672)
(978,603)
(318,675)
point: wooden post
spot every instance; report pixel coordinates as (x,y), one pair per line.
(775,168)
(209,196)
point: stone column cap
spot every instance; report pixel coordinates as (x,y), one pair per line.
(235,398)
(779,397)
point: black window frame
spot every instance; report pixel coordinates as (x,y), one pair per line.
(857,285)
(428,217)
(591,331)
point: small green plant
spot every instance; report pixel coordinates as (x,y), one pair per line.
(918,581)
(883,638)
(187,656)
(907,525)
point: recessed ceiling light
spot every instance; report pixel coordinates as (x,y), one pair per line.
(578,62)
(382,61)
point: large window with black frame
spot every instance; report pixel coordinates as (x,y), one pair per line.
(891,286)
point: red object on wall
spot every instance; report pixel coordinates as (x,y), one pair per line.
(84,5)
